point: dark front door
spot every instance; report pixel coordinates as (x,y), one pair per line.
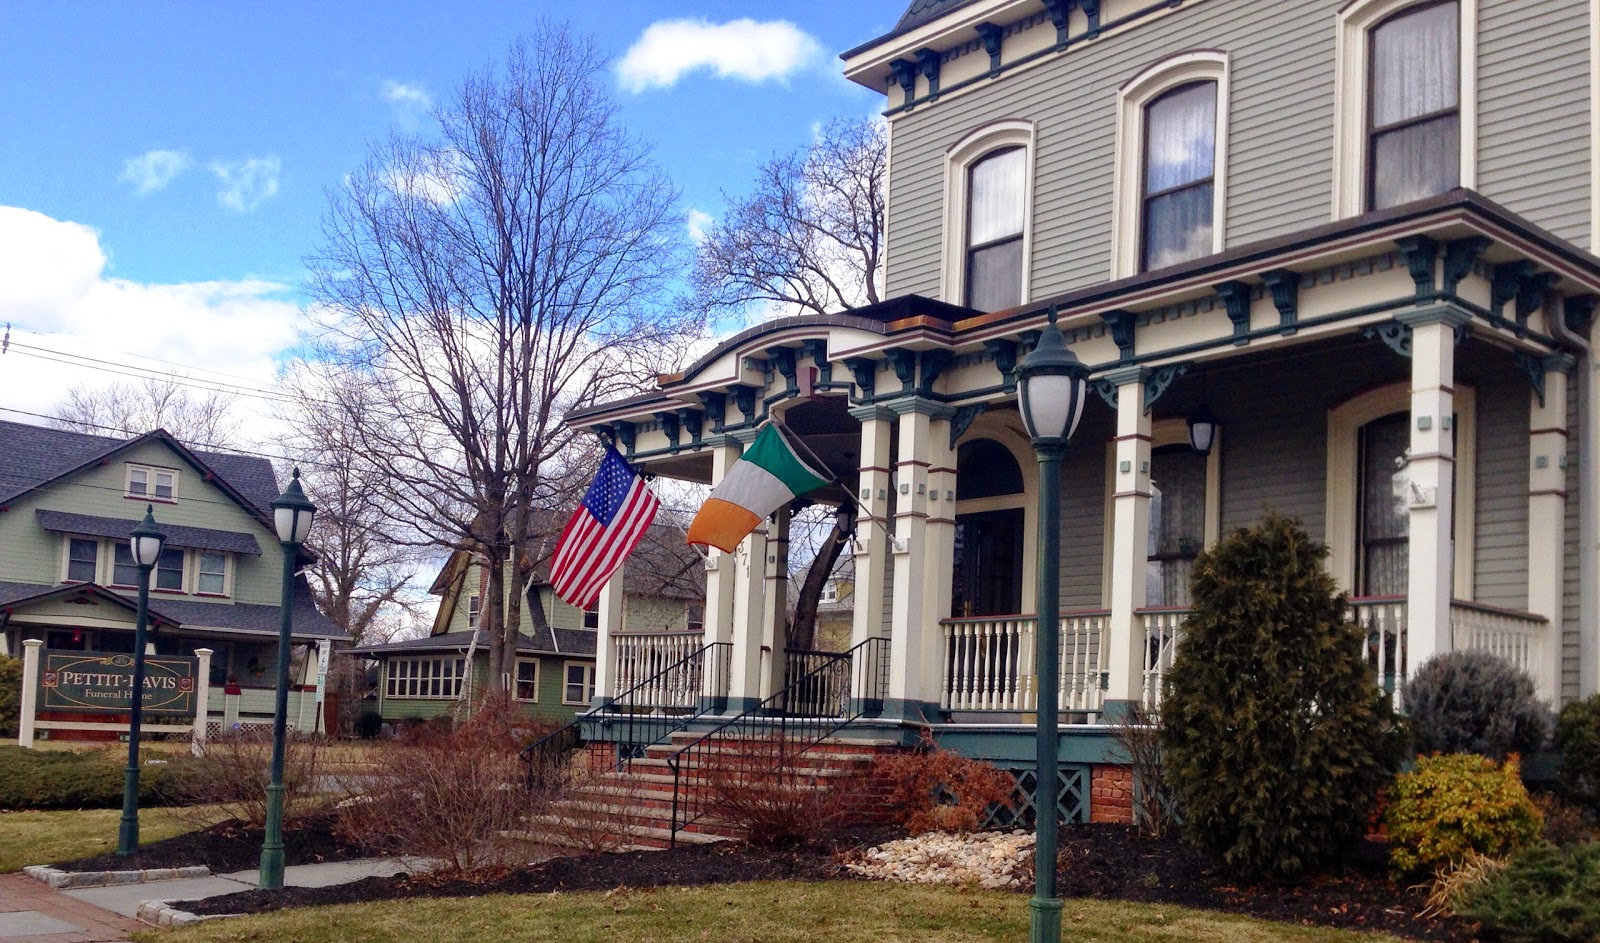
(988,563)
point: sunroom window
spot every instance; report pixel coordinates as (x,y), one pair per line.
(996,210)
(1180,139)
(1414,105)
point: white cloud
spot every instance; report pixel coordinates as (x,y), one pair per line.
(55,290)
(153,170)
(248,183)
(439,177)
(699,221)
(409,100)
(742,49)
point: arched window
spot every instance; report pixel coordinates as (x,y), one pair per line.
(1180,152)
(988,204)
(1414,105)
(1172,165)
(988,470)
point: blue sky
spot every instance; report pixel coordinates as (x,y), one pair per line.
(163,167)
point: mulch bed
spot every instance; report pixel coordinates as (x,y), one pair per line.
(1098,861)
(228,846)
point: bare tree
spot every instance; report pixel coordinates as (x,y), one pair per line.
(484,284)
(361,575)
(197,418)
(809,236)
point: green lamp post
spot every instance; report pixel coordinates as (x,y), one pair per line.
(1052,384)
(145,543)
(291,517)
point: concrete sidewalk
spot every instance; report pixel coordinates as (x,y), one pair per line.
(125,899)
(31,912)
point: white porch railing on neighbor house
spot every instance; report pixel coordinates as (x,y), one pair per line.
(642,656)
(989,662)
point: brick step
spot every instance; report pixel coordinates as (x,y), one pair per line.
(641,838)
(629,818)
(813,755)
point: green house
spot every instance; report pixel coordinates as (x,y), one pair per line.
(555,666)
(67,504)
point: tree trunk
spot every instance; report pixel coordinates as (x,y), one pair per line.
(492,617)
(804,633)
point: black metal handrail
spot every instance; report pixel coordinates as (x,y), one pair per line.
(641,723)
(839,689)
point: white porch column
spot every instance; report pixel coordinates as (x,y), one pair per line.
(872,522)
(202,698)
(1431,489)
(720,567)
(1547,517)
(775,604)
(916,646)
(30,690)
(1130,542)
(941,559)
(749,569)
(605,641)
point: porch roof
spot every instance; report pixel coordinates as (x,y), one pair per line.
(235,617)
(575,643)
(196,538)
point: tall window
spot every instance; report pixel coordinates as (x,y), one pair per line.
(579,687)
(124,572)
(527,679)
(83,559)
(169,570)
(1414,105)
(213,574)
(1177,523)
(996,207)
(474,610)
(1180,141)
(1385,522)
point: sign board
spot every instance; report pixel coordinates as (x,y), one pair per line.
(102,682)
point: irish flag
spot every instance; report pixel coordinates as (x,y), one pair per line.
(767,476)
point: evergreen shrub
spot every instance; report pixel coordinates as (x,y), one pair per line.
(1456,805)
(1545,895)
(1578,740)
(10,695)
(91,779)
(1276,735)
(1474,702)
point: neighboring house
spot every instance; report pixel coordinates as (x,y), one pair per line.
(67,503)
(1357,234)
(555,667)
(836,606)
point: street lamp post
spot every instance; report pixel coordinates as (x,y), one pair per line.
(291,516)
(1052,382)
(146,544)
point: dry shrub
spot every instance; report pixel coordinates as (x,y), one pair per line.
(1452,883)
(448,795)
(1564,823)
(1139,736)
(231,771)
(776,796)
(934,790)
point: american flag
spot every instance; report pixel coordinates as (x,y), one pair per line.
(615,513)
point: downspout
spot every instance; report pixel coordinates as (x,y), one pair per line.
(1588,588)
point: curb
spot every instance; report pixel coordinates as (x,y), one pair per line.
(62,880)
(161,913)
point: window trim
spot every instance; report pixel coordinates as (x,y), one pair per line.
(959,160)
(150,471)
(474,610)
(1163,433)
(66,558)
(1353,92)
(588,681)
(516,679)
(1135,95)
(227,573)
(452,659)
(1345,422)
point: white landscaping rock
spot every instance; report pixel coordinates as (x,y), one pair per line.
(992,860)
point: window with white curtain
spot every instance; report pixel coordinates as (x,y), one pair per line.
(1180,141)
(996,211)
(1385,521)
(1414,105)
(1177,523)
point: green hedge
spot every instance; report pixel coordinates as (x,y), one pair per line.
(36,779)
(10,695)
(1545,895)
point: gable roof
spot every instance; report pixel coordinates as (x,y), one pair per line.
(16,595)
(34,456)
(245,617)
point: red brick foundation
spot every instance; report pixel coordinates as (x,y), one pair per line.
(1111,795)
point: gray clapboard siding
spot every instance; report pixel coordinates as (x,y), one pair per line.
(1501,538)
(1084,509)
(1572,574)
(1533,98)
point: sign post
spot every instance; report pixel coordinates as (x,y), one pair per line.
(30,690)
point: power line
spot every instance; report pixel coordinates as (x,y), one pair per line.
(86,362)
(170,363)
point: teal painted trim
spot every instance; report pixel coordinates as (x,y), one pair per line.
(910,711)
(738,705)
(1077,746)
(1115,712)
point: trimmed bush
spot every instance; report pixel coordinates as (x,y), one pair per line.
(1578,740)
(1474,702)
(1458,805)
(1276,735)
(10,695)
(1545,895)
(36,779)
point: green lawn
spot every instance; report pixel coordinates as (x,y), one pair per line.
(44,837)
(777,912)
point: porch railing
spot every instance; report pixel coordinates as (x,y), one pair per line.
(989,662)
(1518,637)
(641,660)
